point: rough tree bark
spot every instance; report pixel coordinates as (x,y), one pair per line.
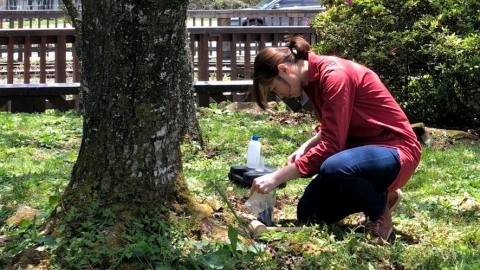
(138,102)
(191,127)
(137,94)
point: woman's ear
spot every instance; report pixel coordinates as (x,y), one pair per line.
(283,68)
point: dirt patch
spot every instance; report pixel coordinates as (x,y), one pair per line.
(23,212)
(291,118)
(30,259)
(443,138)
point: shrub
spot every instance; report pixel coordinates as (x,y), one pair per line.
(427,52)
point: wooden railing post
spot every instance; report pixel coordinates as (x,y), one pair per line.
(10,59)
(42,50)
(233,67)
(203,100)
(30,103)
(61,59)
(247,68)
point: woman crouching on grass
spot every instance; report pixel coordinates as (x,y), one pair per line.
(364,150)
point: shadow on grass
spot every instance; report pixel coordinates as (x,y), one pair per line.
(29,188)
(16,139)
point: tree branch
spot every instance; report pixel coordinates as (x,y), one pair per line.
(72,12)
(76,20)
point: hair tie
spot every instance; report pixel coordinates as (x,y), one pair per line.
(292,48)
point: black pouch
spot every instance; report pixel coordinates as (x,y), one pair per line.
(244,176)
(236,175)
(266,217)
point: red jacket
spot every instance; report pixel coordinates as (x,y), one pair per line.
(355,108)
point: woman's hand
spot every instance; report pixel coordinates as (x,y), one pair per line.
(264,184)
(268,182)
(297,154)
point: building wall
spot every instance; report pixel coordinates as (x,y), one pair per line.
(32,4)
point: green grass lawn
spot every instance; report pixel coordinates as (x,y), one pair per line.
(436,226)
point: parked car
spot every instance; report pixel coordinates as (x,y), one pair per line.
(280,5)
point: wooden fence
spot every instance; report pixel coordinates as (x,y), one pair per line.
(221,53)
(33,19)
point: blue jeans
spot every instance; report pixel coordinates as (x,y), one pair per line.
(351,181)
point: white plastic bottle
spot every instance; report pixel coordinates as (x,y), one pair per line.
(254,152)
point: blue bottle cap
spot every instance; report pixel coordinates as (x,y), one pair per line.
(255,138)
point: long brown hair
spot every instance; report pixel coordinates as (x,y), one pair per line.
(265,67)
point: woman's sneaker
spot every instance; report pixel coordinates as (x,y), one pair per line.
(393,200)
(380,229)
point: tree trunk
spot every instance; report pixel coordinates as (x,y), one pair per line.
(138,99)
(135,73)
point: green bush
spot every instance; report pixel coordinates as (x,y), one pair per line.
(426,51)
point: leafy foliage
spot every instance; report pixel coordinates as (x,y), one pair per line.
(426,51)
(436,225)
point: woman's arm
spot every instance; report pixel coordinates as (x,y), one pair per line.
(268,182)
(304,148)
